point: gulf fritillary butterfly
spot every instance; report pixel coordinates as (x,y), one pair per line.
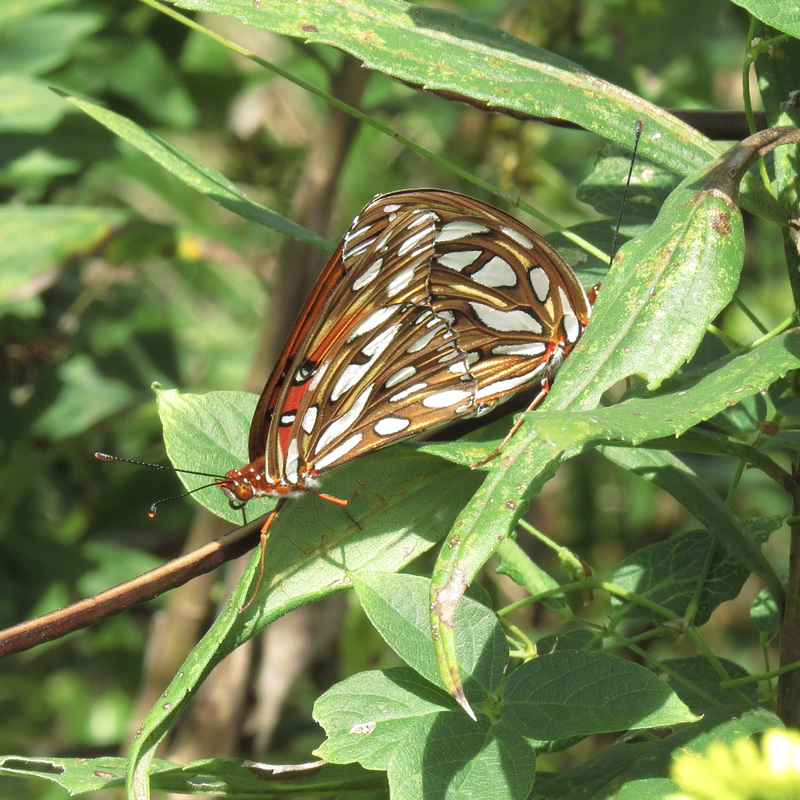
(434,307)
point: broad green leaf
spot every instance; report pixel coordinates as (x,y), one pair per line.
(228,777)
(37,240)
(38,44)
(313,547)
(653,316)
(87,396)
(561,695)
(696,399)
(630,771)
(445,52)
(367,716)
(693,568)
(397,605)
(670,474)
(396,721)
(27,104)
(777,13)
(697,682)
(205,180)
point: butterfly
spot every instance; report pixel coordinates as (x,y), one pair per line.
(433,307)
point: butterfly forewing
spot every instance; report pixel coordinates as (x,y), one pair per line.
(434,307)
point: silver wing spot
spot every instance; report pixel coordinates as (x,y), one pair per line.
(388,426)
(446,398)
(369,275)
(496,272)
(540,283)
(510,321)
(338,452)
(459,229)
(518,237)
(459,259)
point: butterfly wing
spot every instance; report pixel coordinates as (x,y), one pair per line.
(435,306)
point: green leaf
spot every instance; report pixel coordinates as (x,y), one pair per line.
(205,180)
(397,605)
(777,13)
(695,399)
(674,477)
(29,105)
(631,771)
(228,777)
(36,45)
(313,547)
(35,242)
(87,396)
(689,569)
(561,695)
(445,52)
(765,614)
(696,681)
(396,721)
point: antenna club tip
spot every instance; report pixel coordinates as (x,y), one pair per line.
(151,512)
(103,457)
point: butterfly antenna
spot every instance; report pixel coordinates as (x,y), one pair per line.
(637,136)
(107,457)
(151,512)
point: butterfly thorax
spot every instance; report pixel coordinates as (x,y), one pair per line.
(243,484)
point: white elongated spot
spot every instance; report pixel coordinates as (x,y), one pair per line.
(496,272)
(517,236)
(376,345)
(572,327)
(512,321)
(421,217)
(422,342)
(459,229)
(353,373)
(388,426)
(287,419)
(410,242)
(540,283)
(399,376)
(528,349)
(459,368)
(446,398)
(391,208)
(358,232)
(396,398)
(369,275)
(509,384)
(372,321)
(342,424)
(309,419)
(338,452)
(290,468)
(358,249)
(401,281)
(459,259)
(321,370)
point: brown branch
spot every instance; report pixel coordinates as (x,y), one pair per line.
(120,598)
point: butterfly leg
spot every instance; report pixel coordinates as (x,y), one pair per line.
(264,529)
(516,426)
